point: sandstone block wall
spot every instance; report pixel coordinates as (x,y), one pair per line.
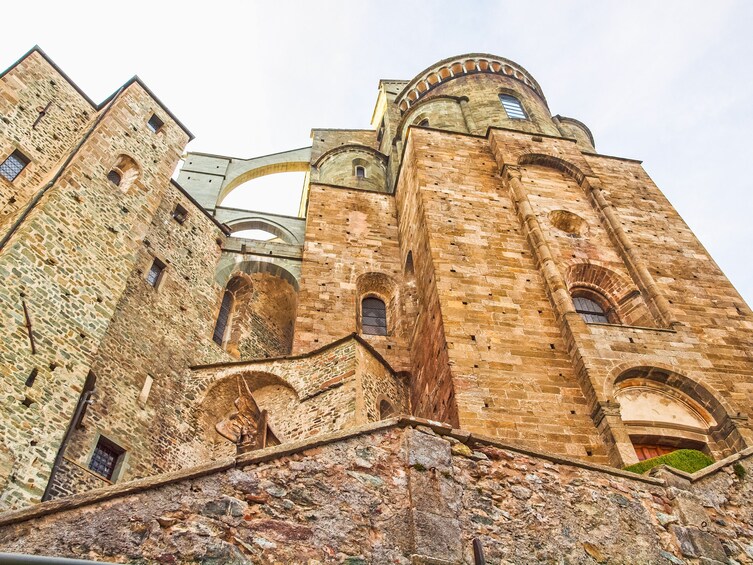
(400,495)
(511,374)
(349,234)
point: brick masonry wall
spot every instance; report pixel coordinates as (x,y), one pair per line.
(69,262)
(401,496)
(328,390)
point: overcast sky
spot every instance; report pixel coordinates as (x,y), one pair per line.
(667,82)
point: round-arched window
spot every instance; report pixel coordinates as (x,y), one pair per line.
(373,316)
(593,308)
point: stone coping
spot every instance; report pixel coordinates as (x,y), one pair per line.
(229,158)
(312,353)
(711,469)
(271,453)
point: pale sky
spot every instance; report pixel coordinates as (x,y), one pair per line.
(667,82)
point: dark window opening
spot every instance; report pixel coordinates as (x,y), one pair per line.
(223,317)
(13,165)
(105,458)
(114,177)
(380,133)
(590,310)
(155,272)
(386,410)
(409,264)
(424,123)
(373,316)
(644,451)
(155,124)
(513,107)
(360,172)
(180,214)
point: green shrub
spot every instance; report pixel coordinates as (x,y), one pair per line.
(688,460)
(739,471)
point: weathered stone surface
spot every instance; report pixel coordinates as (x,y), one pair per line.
(324,511)
(476,229)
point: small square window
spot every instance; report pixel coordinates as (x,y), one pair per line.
(155,124)
(180,214)
(106,457)
(13,165)
(155,272)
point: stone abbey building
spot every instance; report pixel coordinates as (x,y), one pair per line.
(474,323)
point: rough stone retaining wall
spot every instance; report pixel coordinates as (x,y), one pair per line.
(400,491)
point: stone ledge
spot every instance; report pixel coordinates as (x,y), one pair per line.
(711,469)
(275,452)
(113,491)
(563,460)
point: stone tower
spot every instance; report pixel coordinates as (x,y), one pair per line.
(471,260)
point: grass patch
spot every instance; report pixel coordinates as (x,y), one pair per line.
(688,460)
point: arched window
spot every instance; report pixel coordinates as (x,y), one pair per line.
(386,409)
(590,306)
(360,172)
(424,123)
(513,107)
(373,316)
(222,318)
(124,173)
(114,177)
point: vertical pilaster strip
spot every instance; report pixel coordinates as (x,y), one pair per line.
(563,303)
(470,124)
(611,429)
(656,299)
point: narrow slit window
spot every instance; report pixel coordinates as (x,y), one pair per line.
(513,107)
(13,165)
(360,172)
(590,310)
(373,316)
(180,214)
(155,124)
(145,390)
(106,458)
(223,317)
(154,275)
